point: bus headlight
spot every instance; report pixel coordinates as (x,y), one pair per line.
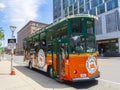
(75,72)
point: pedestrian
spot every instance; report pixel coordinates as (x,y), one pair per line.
(101,51)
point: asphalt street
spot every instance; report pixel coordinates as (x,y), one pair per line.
(109,80)
(110,69)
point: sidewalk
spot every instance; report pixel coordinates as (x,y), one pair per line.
(18,81)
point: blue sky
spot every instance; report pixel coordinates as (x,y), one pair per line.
(19,12)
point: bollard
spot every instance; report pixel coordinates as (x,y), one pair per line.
(12,72)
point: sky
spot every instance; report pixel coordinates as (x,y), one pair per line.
(19,12)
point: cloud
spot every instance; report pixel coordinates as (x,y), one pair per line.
(19,12)
(17,20)
(2,5)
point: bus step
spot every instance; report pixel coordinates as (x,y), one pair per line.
(58,79)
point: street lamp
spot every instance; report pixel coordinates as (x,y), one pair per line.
(12,50)
(12,29)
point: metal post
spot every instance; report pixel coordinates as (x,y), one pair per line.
(12,34)
(12,50)
(11,59)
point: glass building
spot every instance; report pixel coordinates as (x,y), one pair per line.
(108,26)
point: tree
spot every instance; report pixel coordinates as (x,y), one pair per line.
(1,33)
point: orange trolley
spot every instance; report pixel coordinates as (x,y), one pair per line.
(66,50)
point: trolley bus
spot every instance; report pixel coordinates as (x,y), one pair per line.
(65,49)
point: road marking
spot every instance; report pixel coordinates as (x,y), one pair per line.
(108,81)
(105,63)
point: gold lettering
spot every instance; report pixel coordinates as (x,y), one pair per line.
(81,65)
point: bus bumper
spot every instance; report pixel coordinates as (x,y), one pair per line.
(85,79)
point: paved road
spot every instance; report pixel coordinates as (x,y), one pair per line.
(110,69)
(109,80)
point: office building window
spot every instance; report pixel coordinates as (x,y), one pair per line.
(81,9)
(87,6)
(75,5)
(112,4)
(70,10)
(98,26)
(59,13)
(119,3)
(94,3)
(65,5)
(65,12)
(99,1)
(70,13)
(75,8)
(81,2)
(118,20)
(112,22)
(86,12)
(106,0)
(71,2)
(101,9)
(65,1)
(93,11)
(56,8)
(75,11)
(55,16)
(75,1)
(86,0)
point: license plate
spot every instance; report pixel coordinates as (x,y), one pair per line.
(83,75)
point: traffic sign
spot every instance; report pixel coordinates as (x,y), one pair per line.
(11,40)
(11,43)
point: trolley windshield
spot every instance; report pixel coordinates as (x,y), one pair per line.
(83,44)
(83,36)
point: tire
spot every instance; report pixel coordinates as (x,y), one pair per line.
(51,72)
(30,66)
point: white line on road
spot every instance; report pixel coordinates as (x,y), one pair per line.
(108,81)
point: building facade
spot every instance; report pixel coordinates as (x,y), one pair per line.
(108,26)
(26,31)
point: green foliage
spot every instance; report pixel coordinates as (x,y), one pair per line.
(1,50)
(1,35)
(0,44)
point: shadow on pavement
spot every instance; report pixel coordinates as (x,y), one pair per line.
(83,85)
(43,79)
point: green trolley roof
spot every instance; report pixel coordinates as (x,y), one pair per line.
(65,19)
